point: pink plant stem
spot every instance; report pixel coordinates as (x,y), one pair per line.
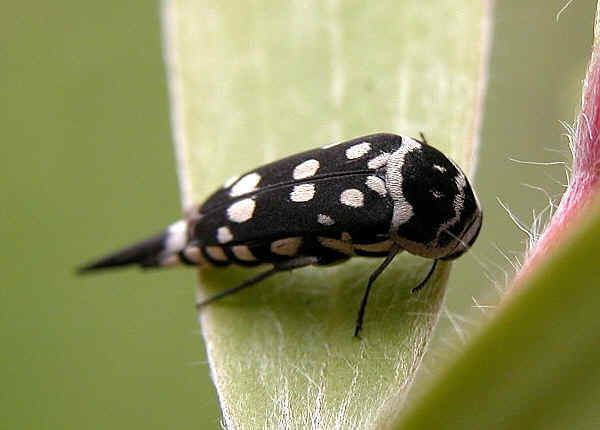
(585,176)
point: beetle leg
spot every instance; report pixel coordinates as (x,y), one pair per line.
(424,281)
(363,304)
(294,263)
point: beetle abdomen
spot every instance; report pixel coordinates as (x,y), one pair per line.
(164,249)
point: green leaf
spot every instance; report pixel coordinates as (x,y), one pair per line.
(253,82)
(535,366)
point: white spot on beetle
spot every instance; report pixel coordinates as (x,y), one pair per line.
(288,246)
(460,181)
(459,199)
(358,150)
(241,211)
(403,211)
(352,197)
(325,219)
(376,184)
(306,169)
(439,168)
(401,214)
(176,237)
(224,235)
(243,253)
(216,253)
(302,193)
(245,185)
(379,161)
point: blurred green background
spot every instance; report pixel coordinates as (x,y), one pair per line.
(87,165)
